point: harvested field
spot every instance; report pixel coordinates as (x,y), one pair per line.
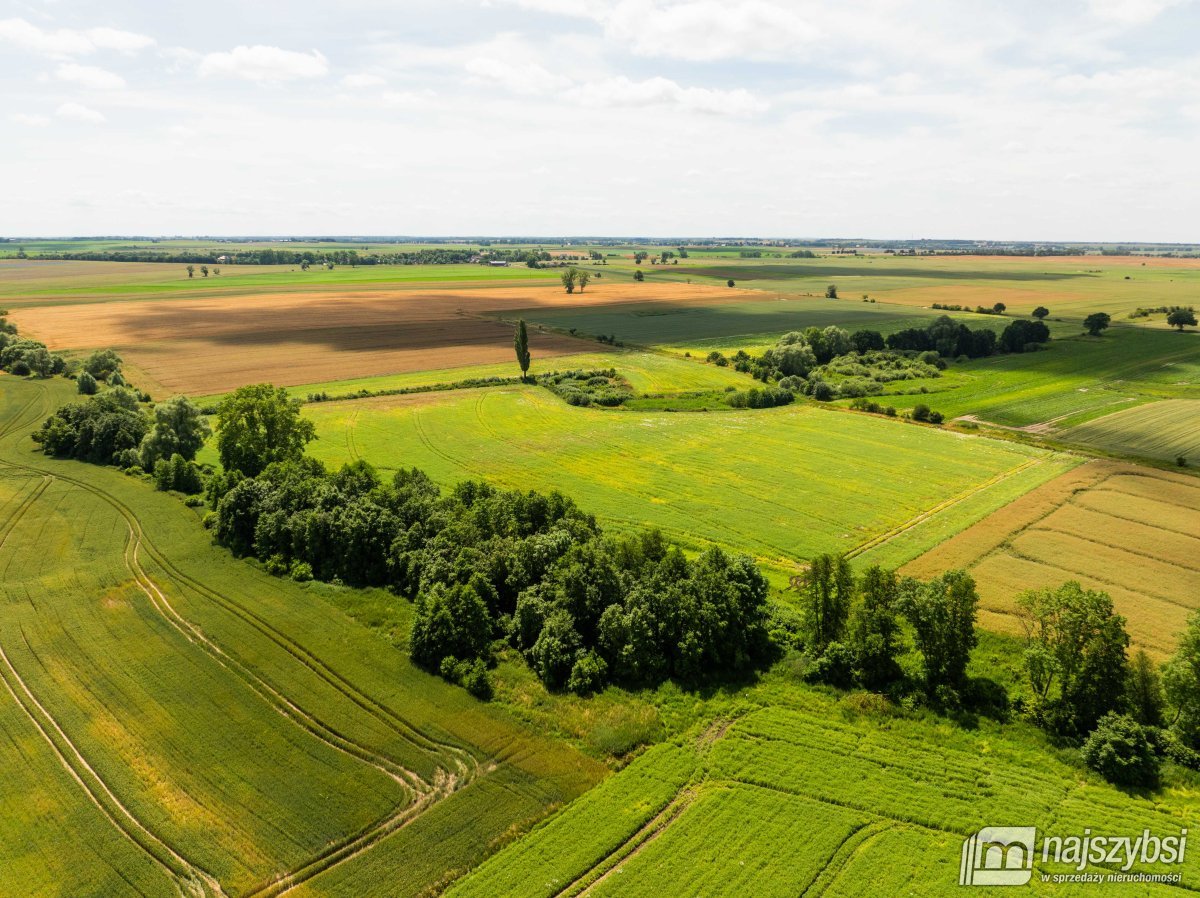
(1129,531)
(211,345)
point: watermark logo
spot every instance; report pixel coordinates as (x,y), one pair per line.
(998,856)
(1004,856)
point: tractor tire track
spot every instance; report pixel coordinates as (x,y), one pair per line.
(587,881)
(445,782)
(288,709)
(189,879)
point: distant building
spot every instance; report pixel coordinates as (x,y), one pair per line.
(498,263)
(222,259)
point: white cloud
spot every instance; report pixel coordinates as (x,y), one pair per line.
(363,79)
(264,64)
(115,39)
(519,77)
(79,113)
(1131,12)
(67,42)
(89,76)
(705,30)
(406,99)
(622,91)
(31,120)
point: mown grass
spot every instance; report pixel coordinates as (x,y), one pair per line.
(782,484)
(244,722)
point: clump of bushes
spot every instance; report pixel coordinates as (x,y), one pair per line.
(584,388)
(766,397)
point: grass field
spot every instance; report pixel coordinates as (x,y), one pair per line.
(783,484)
(1166,430)
(1127,530)
(803,797)
(185,720)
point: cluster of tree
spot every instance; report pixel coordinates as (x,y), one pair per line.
(1085,688)
(1146,312)
(113,428)
(102,366)
(24,357)
(946,337)
(575,277)
(482,564)
(855,630)
(995,309)
(96,429)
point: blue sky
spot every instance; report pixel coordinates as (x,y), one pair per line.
(1076,120)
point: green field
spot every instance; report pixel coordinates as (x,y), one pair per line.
(215,727)
(647,372)
(39,283)
(801,796)
(783,484)
(1166,430)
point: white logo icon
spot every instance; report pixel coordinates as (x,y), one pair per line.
(998,856)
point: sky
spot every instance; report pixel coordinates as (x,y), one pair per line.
(1077,120)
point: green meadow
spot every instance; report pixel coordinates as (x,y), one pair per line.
(783,484)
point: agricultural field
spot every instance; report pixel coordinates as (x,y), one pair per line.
(1130,531)
(802,796)
(212,345)
(1166,430)
(783,484)
(192,725)
(197,726)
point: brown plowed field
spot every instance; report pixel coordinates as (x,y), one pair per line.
(1132,532)
(212,345)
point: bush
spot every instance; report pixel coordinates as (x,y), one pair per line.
(86,384)
(822,392)
(921,412)
(1120,749)
(587,674)
(835,666)
(301,571)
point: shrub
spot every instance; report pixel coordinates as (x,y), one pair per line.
(1120,750)
(822,392)
(835,666)
(587,674)
(921,412)
(86,384)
